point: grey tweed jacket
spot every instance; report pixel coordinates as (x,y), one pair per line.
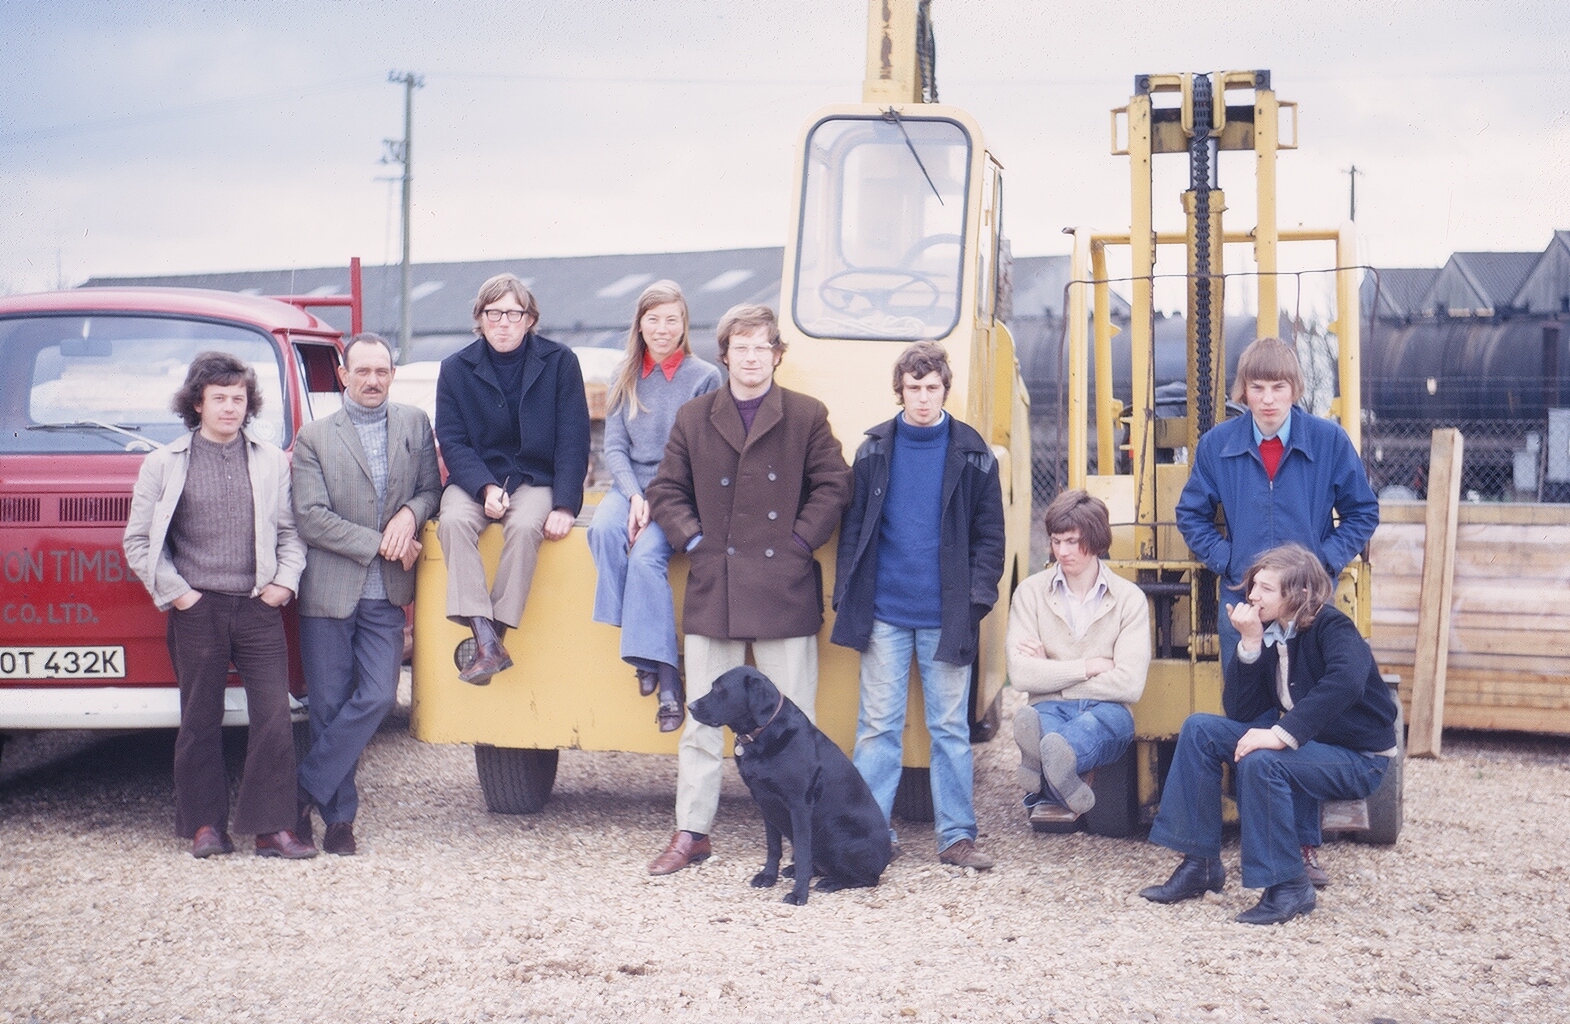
(335,506)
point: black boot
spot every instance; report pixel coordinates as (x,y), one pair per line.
(1194,877)
(672,711)
(490,657)
(1282,902)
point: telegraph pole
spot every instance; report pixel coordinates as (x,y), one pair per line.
(398,152)
(1352,173)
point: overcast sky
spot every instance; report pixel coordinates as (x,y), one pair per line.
(153,138)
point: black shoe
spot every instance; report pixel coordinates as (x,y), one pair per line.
(1194,877)
(490,656)
(1281,903)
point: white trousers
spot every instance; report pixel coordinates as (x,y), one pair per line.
(791,664)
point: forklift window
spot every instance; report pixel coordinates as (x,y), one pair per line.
(103,383)
(882,229)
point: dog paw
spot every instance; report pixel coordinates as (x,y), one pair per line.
(765,879)
(827,884)
(795,898)
(789,871)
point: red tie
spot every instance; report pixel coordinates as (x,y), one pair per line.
(1270,450)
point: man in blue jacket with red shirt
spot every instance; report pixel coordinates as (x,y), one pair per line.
(1278,474)
(513,425)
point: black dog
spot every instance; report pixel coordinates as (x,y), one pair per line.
(805,786)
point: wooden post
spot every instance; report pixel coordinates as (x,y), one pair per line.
(1433,614)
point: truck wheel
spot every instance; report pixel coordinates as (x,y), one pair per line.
(302,740)
(913,798)
(515,781)
(1116,813)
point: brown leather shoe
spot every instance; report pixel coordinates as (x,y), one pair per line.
(1311,868)
(647,682)
(338,839)
(670,716)
(283,844)
(963,854)
(209,842)
(685,848)
(486,663)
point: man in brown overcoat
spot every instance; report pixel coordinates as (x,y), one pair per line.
(753,481)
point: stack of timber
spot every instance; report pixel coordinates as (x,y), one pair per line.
(1509,654)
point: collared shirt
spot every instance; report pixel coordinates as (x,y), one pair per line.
(1277,634)
(668,367)
(1285,433)
(1080,613)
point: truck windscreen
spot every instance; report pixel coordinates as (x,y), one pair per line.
(104,382)
(882,228)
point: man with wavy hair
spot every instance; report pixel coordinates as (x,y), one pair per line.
(211,534)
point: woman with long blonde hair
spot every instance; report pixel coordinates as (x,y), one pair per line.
(631,554)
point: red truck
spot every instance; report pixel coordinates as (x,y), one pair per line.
(86,378)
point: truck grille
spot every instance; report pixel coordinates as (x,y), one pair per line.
(18,510)
(113,509)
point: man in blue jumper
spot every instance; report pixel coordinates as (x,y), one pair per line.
(920,556)
(1278,476)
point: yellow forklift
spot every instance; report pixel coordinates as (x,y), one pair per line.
(896,237)
(1142,449)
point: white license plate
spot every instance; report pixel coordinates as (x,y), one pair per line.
(62,662)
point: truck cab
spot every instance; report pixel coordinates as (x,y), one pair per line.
(85,391)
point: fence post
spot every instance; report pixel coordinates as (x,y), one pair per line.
(1432,655)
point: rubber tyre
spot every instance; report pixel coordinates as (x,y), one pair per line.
(1387,804)
(513,780)
(913,798)
(1116,813)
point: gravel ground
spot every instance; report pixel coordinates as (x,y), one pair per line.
(453,914)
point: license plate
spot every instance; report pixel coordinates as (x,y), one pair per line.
(62,662)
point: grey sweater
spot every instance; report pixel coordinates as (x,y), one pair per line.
(634,444)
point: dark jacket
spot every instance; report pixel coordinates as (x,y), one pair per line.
(552,417)
(1320,472)
(970,550)
(1337,694)
(746,493)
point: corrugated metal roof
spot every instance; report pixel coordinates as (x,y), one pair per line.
(1401,290)
(1497,275)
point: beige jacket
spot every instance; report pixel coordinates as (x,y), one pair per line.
(280,553)
(1120,630)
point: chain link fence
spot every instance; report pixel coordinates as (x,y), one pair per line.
(1502,459)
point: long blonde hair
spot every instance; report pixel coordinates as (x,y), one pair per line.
(625,390)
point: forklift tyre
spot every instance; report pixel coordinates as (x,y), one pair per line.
(1116,786)
(515,781)
(1386,805)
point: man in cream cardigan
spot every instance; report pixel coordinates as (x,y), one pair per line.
(1079,644)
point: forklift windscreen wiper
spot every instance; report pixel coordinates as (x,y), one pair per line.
(893,115)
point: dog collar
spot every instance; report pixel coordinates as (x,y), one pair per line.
(745,738)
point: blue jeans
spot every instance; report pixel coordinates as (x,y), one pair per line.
(1189,820)
(351,670)
(1097,730)
(1305,808)
(638,580)
(945,690)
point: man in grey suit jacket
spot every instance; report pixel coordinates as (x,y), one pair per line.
(365,481)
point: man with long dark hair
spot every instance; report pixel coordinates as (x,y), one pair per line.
(211,534)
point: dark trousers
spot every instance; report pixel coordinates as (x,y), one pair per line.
(1189,818)
(203,640)
(351,668)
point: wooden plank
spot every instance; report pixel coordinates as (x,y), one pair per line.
(1433,626)
(1525,514)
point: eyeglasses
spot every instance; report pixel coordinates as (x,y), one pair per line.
(495,315)
(744,351)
